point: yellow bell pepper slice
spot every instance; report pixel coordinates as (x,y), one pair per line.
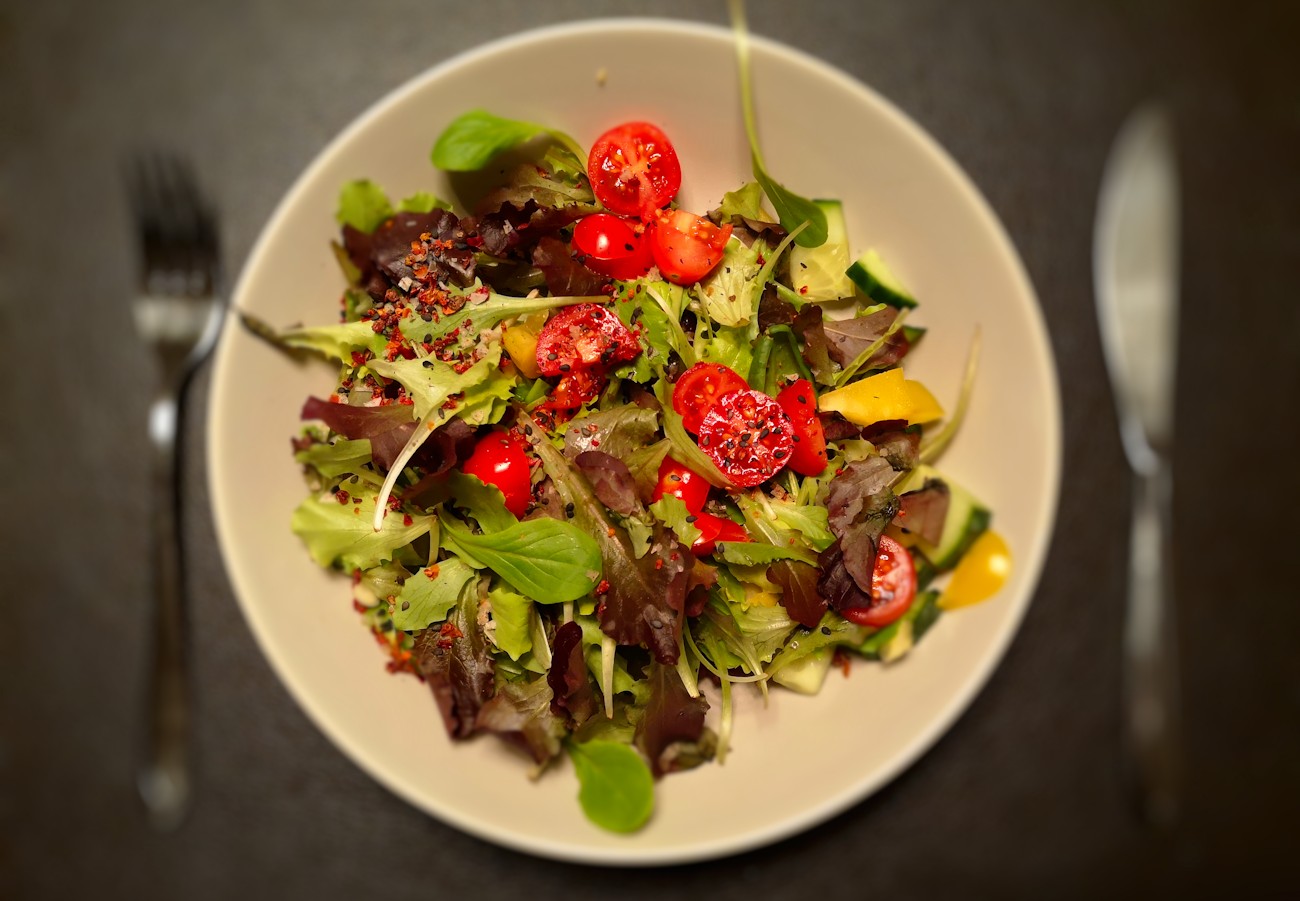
(982,572)
(882,397)
(520,341)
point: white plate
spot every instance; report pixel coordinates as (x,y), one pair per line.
(826,136)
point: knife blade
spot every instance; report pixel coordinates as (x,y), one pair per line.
(1135,269)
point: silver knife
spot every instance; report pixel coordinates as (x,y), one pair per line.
(1135,269)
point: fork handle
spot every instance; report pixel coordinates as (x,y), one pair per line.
(164,775)
(1150,652)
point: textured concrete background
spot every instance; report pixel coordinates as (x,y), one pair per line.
(1022,798)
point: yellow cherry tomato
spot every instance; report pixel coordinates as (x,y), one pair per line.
(982,572)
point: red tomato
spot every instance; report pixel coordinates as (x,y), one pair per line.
(699,387)
(612,246)
(634,169)
(747,435)
(714,529)
(686,247)
(575,389)
(893,585)
(583,337)
(498,459)
(678,481)
(800,403)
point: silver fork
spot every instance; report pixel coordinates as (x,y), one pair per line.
(178,313)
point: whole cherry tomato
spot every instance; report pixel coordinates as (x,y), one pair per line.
(893,585)
(686,247)
(808,458)
(499,459)
(634,169)
(699,387)
(678,481)
(612,246)
(747,435)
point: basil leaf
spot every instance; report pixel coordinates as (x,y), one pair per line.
(428,595)
(363,205)
(548,560)
(615,787)
(791,209)
(473,138)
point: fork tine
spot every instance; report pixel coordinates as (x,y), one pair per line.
(179,249)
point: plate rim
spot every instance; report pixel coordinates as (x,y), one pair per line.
(953,707)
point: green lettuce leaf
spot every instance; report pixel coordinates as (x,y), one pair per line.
(730,295)
(672,512)
(363,205)
(512,614)
(422,202)
(746,202)
(343,535)
(426,598)
(429,382)
(334,341)
(752,553)
(344,457)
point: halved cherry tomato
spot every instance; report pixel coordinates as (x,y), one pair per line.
(699,387)
(800,403)
(584,336)
(575,389)
(893,585)
(678,481)
(499,459)
(714,529)
(747,435)
(612,246)
(686,247)
(634,169)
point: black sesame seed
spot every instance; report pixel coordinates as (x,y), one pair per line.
(778,454)
(552,356)
(564,367)
(826,630)
(406,605)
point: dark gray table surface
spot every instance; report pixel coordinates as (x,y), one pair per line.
(1023,797)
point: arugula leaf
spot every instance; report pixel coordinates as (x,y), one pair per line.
(660,330)
(343,533)
(473,138)
(512,613)
(832,630)
(422,202)
(548,560)
(363,205)
(791,208)
(615,787)
(428,595)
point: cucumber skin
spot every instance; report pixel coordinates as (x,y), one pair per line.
(870,286)
(976,525)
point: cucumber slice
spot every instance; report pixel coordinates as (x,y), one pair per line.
(967,519)
(807,675)
(875,280)
(819,273)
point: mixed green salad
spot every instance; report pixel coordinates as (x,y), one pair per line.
(590,453)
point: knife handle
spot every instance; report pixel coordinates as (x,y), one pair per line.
(1150,653)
